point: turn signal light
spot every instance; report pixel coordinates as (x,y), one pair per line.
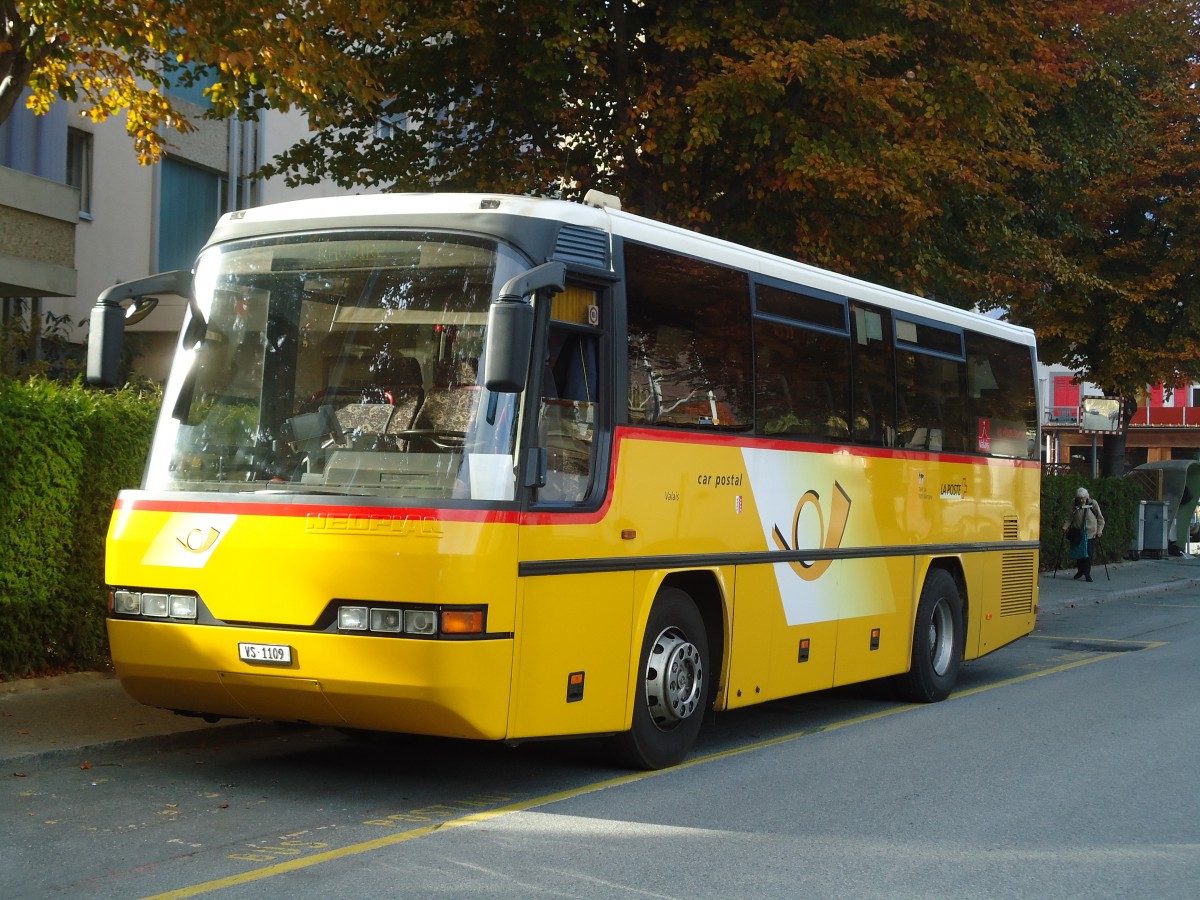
(462,621)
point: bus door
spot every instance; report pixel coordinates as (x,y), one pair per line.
(574,627)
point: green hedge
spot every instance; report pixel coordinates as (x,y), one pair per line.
(1118,499)
(67,451)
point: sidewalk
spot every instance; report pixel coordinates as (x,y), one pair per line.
(79,715)
(1058,590)
(76,717)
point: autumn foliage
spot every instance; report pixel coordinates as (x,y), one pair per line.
(1031,155)
(119,56)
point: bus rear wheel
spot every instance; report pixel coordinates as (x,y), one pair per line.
(672,688)
(937,641)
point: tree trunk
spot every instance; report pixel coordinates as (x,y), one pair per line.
(1112,450)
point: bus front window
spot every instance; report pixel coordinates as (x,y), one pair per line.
(342,363)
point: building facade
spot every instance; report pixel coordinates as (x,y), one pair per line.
(1165,427)
(79,214)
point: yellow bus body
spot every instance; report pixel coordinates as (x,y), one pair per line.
(568,594)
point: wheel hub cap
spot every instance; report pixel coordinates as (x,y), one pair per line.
(674,679)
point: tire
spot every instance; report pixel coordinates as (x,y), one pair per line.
(938,638)
(672,692)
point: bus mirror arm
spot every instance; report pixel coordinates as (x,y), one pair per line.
(547,275)
(109,318)
(510,327)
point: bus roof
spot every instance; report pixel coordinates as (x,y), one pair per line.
(399,209)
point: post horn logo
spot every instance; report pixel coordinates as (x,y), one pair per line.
(199,541)
(811,570)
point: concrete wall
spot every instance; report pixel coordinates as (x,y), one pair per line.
(37,236)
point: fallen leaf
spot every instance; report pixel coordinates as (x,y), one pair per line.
(85,765)
(22,731)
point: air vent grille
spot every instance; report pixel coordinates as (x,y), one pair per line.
(586,246)
(1017,578)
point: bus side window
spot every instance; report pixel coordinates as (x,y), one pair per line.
(873,385)
(803,386)
(1001,392)
(933,413)
(689,341)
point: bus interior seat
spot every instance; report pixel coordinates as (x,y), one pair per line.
(449,410)
(384,401)
(444,415)
(365,424)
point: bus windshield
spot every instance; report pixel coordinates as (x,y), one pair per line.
(343,363)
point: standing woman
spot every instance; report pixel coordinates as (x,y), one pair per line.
(1083,526)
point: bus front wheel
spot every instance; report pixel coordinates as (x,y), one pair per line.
(937,641)
(672,686)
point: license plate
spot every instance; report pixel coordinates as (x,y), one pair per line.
(278,654)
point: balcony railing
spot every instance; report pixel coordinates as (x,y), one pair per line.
(1062,415)
(1154,416)
(1167,416)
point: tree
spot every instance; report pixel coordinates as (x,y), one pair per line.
(125,56)
(877,137)
(1112,284)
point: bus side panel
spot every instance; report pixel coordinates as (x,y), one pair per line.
(1008,609)
(573,627)
(878,610)
(769,658)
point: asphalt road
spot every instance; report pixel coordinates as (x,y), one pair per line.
(1064,766)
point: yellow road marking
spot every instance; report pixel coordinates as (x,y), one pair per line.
(1147,645)
(389,840)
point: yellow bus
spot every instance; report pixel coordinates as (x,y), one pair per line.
(509,468)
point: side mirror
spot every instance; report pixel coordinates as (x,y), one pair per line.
(109,318)
(510,327)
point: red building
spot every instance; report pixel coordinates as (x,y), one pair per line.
(1165,426)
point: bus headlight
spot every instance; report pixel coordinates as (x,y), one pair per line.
(154,605)
(386,620)
(127,603)
(352,618)
(420,621)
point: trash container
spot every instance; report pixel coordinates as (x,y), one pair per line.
(1154,530)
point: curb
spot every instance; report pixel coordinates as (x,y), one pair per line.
(48,682)
(160,743)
